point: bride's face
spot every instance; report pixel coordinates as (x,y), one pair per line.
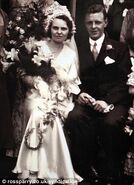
(59,30)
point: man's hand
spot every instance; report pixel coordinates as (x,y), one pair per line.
(100,105)
(85,98)
(97,105)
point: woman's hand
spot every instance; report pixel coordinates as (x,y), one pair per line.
(85,98)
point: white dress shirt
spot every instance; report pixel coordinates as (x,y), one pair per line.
(98,42)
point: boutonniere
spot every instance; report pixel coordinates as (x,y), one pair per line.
(124,12)
(109,47)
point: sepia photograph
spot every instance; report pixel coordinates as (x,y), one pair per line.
(66,92)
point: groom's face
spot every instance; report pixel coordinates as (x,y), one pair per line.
(95,24)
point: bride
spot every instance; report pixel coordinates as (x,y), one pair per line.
(50,82)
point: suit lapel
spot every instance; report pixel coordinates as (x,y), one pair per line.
(88,54)
(103,52)
(87,59)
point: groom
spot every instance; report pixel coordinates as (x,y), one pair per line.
(97,139)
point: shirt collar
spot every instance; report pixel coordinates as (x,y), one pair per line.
(98,42)
(110,2)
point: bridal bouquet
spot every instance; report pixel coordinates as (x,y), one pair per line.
(24,23)
(20,50)
(30,60)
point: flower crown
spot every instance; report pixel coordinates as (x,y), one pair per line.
(56,11)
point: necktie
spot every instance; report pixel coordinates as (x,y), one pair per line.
(94,51)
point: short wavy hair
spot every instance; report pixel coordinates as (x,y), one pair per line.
(96,8)
(69,24)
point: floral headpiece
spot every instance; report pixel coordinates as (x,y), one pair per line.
(58,11)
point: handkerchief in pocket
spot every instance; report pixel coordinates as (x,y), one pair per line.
(109,60)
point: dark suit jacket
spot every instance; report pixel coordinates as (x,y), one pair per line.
(101,79)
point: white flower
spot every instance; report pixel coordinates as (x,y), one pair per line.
(29,25)
(109,47)
(131,113)
(131,79)
(37,59)
(30,44)
(12,42)
(128,130)
(18,18)
(35,19)
(17,28)
(22,31)
(7,33)
(125,12)
(132,68)
(44,52)
(21,36)
(10,24)
(11,54)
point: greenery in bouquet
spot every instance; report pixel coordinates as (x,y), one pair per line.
(24,22)
(34,64)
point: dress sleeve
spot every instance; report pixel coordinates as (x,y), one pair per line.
(73,78)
